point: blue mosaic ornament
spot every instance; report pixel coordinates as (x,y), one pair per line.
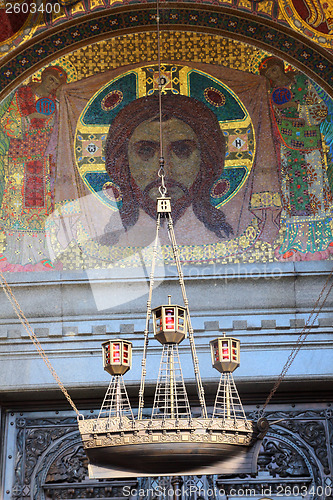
(281,95)
(46,106)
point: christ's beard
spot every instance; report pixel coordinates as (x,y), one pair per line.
(111,237)
(178,205)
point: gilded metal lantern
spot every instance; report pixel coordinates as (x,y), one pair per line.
(170,323)
(117,356)
(225,354)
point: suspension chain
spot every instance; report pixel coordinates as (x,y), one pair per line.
(301,339)
(200,389)
(148,316)
(161,173)
(16,306)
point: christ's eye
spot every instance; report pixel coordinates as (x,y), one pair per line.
(146,149)
(183,148)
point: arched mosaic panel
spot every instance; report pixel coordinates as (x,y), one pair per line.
(268,198)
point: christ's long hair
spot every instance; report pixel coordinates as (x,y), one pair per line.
(212,153)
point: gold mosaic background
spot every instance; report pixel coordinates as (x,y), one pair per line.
(176,46)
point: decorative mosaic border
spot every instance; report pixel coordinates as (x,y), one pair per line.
(268,9)
(22,35)
(308,57)
(298,24)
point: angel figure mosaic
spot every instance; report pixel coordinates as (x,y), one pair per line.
(28,123)
(297,114)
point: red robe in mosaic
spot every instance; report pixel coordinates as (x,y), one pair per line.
(26,201)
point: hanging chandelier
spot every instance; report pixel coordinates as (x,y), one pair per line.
(171,440)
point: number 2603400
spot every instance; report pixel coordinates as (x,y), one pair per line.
(288,491)
(31,8)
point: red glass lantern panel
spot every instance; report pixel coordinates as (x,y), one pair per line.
(170,318)
(225,350)
(116,353)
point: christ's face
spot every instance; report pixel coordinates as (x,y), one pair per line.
(181,155)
